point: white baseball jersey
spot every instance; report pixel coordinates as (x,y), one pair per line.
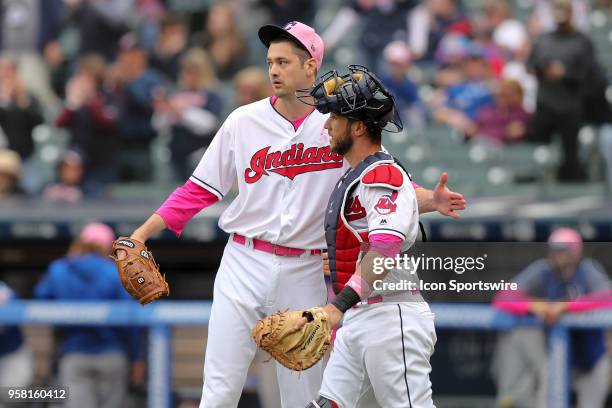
(382,210)
(285,176)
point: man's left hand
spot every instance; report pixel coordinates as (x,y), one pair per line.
(137,373)
(555,311)
(335,316)
(447,202)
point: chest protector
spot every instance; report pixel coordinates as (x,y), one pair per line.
(344,243)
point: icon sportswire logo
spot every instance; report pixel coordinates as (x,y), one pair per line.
(292,162)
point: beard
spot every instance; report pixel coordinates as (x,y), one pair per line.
(343,145)
(281,92)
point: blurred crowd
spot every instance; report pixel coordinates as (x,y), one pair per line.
(119,76)
(567,281)
(96,364)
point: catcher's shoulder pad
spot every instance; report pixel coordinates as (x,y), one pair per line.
(384,175)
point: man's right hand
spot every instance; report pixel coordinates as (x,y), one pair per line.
(326,271)
(555,70)
(540,309)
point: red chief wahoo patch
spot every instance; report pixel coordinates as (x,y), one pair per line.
(386,204)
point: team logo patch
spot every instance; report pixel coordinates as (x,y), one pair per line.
(128,244)
(385,205)
(292,162)
(354,209)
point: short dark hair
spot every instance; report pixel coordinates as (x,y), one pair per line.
(301,51)
(374,132)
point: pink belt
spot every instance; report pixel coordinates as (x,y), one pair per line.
(370,301)
(378,299)
(271,248)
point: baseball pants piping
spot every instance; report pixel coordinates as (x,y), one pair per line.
(381,357)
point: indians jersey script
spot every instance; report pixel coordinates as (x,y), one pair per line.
(285,176)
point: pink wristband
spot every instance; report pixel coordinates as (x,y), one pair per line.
(360,286)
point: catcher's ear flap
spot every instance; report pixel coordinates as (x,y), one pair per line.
(308,315)
(332,85)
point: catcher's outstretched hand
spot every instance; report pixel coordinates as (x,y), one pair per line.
(446,202)
(292,343)
(138,271)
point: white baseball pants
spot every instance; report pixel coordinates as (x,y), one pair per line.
(249,285)
(381,357)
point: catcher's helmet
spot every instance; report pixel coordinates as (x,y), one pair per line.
(358,95)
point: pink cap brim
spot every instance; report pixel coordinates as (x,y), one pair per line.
(565,238)
(301,33)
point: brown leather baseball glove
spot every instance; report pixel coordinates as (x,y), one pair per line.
(138,271)
(295,348)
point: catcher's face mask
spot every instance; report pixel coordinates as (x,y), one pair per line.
(358,95)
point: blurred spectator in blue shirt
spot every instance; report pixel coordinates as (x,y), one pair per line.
(565,282)
(397,80)
(134,83)
(95,361)
(16,369)
(460,103)
(379,22)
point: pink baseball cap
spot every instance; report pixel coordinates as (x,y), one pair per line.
(98,234)
(397,51)
(301,33)
(565,238)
